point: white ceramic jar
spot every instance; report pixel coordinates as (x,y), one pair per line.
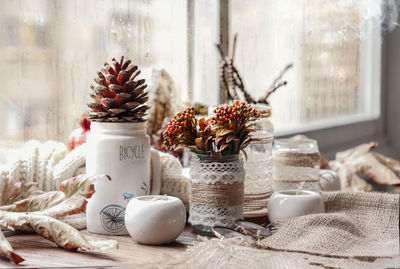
(155,219)
(294,203)
(121,151)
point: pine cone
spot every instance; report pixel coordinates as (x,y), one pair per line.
(117,96)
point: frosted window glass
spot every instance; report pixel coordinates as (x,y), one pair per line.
(50,52)
(328,42)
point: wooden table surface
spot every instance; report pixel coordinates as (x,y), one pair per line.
(39,252)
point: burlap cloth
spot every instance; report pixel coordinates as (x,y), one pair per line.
(359,230)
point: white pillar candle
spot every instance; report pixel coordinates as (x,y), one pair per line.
(294,203)
(155,219)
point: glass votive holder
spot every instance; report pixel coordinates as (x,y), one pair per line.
(296,164)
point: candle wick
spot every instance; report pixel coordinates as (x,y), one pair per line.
(299,187)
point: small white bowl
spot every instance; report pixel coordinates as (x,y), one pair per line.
(155,219)
(294,203)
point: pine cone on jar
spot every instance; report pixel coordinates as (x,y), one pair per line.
(118,96)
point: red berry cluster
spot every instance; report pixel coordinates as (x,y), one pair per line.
(238,111)
(180,128)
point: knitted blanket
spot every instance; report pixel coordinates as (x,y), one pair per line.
(48,164)
(359,230)
(45,164)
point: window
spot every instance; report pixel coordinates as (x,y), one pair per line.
(50,51)
(335,52)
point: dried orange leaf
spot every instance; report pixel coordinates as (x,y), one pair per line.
(62,234)
(70,200)
(36,203)
(22,191)
(392,164)
(360,160)
(76,191)
(38,214)
(223,132)
(372,168)
(6,249)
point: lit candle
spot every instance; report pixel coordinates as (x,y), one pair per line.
(155,219)
(294,203)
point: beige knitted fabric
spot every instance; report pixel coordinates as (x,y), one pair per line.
(173,181)
(46,164)
(359,230)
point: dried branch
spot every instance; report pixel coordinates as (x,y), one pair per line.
(240,85)
(230,78)
(232,82)
(276,84)
(264,100)
(221,53)
(225,78)
(234,47)
(290,65)
(224,82)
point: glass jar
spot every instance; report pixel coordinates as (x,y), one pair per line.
(217,191)
(258,162)
(258,166)
(296,165)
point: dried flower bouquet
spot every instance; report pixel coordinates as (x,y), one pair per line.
(226,133)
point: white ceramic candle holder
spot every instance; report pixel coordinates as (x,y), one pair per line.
(155,219)
(294,203)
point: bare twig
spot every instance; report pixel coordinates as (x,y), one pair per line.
(232,81)
(264,100)
(234,48)
(239,83)
(230,78)
(223,80)
(290,65)
(221,53)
